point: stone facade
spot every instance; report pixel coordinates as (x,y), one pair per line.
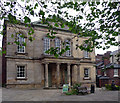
(45,70)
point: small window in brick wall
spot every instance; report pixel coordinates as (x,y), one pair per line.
(115,72)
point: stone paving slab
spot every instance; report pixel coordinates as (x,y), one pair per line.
(55,95)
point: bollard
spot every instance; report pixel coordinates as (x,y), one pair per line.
(92,88)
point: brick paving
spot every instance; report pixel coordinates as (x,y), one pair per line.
(54,95)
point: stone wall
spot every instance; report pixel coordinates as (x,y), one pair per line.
(32,57)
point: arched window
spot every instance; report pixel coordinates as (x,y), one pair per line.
(58,44)
(46,44)
(68,44)
(21,46)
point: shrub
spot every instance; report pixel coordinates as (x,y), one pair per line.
(108,86)
(68,93)
(74,90)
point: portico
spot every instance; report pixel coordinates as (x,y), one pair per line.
(57,72)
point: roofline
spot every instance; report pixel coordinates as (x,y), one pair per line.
(41,25)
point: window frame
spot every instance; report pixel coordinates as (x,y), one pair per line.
(46,44)
(56,44)
(25,72)
(88,77)
(20,45)
(115,72)
(86,53)
(87,72)
(68,51)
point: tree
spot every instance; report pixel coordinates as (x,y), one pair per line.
(101,24)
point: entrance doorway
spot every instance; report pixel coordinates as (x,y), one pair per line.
(52,78)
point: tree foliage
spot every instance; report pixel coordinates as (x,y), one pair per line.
(99,21)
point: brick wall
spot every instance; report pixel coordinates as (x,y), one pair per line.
(0,70)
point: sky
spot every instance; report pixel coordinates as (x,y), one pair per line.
(97,51)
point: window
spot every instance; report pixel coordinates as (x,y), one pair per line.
(21,46)
(20,71)
(58,44)
(115,72)
(105,74)
(68,44)
(46,44)
(86,72)
(112,58)
(86,53)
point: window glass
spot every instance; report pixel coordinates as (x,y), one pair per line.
(20,71)
(21,41)
(86,72)
(86,53)
(68,44)
(58,44)
(115,72)
(46,44)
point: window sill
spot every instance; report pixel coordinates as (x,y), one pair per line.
(115,76)
(86,78)
(18,53)
(21,78)
(87,58)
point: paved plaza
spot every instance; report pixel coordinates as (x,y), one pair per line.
(13,94)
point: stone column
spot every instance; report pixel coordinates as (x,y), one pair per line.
(58,74)
(68,73)
(78,73)
(46,75)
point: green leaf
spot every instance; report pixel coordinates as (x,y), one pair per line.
(7,3)
(31,39)
(82,10)
(62,26)
(4,52)
(36,5)
(41,12)
(80,17)
(27,19)
(56,24)
(8,43)
(97,3)
(45,6)
(32,12)
(12,36)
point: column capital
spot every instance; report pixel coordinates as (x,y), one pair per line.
(45,63)
(68,64)
(58,63)
(78,64)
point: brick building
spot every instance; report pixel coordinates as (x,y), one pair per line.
(29,66)
(0,70)
(108,69)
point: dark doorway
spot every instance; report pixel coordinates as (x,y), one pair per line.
(52,78)
(63,70)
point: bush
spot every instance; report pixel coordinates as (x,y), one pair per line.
(74,90)
(68,93)
(109,87)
